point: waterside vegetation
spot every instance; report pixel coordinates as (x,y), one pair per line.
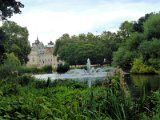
(23,97)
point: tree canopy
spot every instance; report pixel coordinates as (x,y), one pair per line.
(77,49)
(134,41)
(16,40)
(9,7)
(142,45)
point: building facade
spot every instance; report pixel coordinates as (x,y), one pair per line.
(41,55)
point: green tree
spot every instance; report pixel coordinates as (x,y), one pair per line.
(2,50)
(141,42)
(10,66)
(126,29)
(61,42)
(123,58)
(138,26)
(8,7)
(16,40)
(152,26)
(11,60)
(15,49)
(140,67)
(82,37)
(150,52)
(108,43)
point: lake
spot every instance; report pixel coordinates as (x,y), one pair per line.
(140,84)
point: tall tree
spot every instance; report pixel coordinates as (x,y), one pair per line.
(138,26)
(2,50)
(152,26)
(9,7)
(16,40)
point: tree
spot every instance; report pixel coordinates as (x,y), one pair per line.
(126,29)
(140,67)
(10,66)
(152,26)
(1,53)
(16,40)
(9,7)
(11,60)
(108,43)
(60,42)
(2,50)
(123,58)
(150,49)
(138,26)
(50,43)
(144,42)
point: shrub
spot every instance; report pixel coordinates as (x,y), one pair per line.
(8,70)
(10,66)
(62,68)
(34,70)
(47,69)
(140,67)
(12,60)
(24,80)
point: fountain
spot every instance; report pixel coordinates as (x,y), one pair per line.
(88,65)
(91,74)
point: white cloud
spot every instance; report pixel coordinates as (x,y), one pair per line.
(50,19)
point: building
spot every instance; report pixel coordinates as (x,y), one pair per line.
(41,55)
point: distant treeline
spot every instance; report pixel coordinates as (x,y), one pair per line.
(135,46)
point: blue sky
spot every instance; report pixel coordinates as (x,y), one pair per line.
(49,19)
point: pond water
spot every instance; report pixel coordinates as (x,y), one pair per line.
(142,84)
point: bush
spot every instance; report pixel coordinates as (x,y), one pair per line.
(140,68)
(43,84)
(34,70)
(8,70)
(62,68)
(47,69)
(10,66)
(24,80)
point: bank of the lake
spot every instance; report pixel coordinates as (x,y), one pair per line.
(140,84)
(24,97)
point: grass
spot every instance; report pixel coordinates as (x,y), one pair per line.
(23,97)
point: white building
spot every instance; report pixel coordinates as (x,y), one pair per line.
(41,55)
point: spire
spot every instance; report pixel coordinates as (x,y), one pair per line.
(37,40)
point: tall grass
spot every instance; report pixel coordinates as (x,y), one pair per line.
(23,97)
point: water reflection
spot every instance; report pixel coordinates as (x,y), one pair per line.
(140,84)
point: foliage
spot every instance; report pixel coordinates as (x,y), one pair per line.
(140,67)
(12,60)
(24,97)
(34,70)
(16,40)
(10,66)
(123,58)
(62,68)
(132,40)
(143,40)
(152,26)
(47,69)
(126,29)
(150,49)
(8,7)
(2,49)
(138,25)
(77,49)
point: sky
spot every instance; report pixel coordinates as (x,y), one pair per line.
(50,19)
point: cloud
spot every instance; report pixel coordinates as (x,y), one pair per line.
(50,19)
